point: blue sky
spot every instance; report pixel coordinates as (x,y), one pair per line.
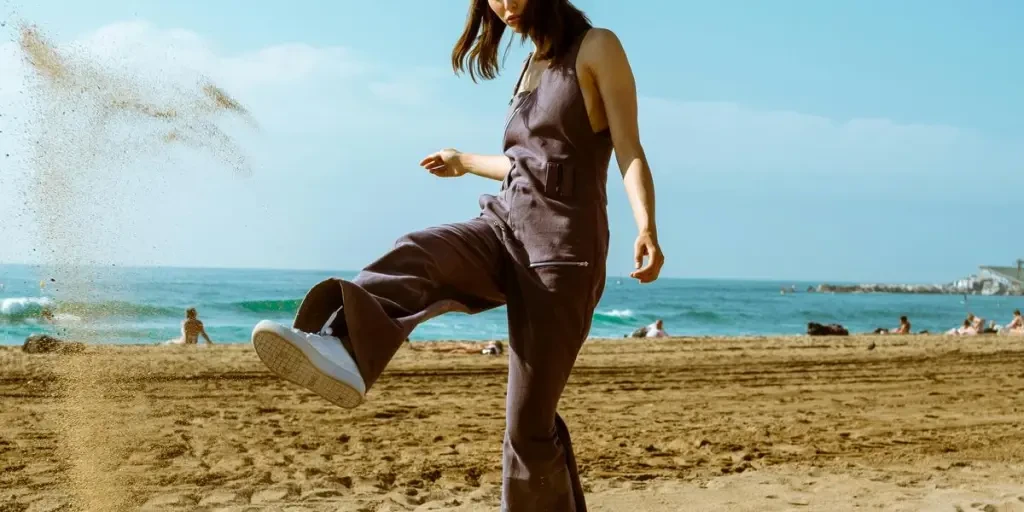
(867,140)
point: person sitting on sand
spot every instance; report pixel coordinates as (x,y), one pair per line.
(494,348)
(970,327)
(191,328)
(655,330)
(977,323)
(967,329)
(904,327)
(1016,326)
(459,347)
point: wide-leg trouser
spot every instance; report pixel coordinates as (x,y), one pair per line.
(471,267)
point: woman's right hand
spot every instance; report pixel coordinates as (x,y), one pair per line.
(446,163)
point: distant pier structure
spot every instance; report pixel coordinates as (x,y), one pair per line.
(990,280)
(1014,275)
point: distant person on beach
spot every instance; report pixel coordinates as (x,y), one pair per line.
(967,329)
(654,330)
(192,328)
(539,246)
(1016,326)
(494,348)
(977,323)
(904,327)
(970,328)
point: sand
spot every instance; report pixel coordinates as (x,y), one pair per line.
(776,424)
(98,126)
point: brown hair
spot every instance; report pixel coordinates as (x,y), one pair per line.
(553,24)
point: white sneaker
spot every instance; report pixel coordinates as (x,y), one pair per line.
(318,363)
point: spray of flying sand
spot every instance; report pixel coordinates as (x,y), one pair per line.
(92,124)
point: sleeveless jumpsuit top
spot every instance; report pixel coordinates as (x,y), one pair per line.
(552,206)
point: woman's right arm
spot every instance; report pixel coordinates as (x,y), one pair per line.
(451,163)
(494,167)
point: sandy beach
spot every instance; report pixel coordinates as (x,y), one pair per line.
(760,424)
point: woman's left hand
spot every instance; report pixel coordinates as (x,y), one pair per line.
(647,245)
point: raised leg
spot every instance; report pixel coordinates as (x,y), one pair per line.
(454,267)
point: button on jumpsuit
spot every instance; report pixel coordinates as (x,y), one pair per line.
(539,247)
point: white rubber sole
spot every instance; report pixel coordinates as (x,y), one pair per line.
(296,361)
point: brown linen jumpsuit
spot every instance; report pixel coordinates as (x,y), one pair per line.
(539,247)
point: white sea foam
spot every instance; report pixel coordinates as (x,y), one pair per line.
(23,306)
(620,313)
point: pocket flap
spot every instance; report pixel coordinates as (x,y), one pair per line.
(559,180)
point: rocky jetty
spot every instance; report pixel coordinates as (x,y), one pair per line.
(985,284)
(43,343)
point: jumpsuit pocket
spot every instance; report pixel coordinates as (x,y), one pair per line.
(568,277)
(553,231)
(559,263)
(563,276)
(559,180)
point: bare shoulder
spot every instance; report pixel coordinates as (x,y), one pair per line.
(601,50)
(601,40)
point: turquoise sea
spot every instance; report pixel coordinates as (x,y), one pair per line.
(146,305)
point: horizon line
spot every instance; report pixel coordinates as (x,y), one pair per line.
(609,276)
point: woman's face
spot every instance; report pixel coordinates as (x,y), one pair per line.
(509,11)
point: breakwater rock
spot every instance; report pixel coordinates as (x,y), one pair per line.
(972,285)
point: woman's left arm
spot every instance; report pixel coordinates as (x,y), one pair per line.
(614,79)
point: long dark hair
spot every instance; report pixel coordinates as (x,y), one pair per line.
(554,24)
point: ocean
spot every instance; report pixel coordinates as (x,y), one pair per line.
(146,305)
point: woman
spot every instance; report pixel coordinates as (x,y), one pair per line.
(538,246)
(653,330)
(191,329)
(1016,326)
(967,329)
(904,327)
